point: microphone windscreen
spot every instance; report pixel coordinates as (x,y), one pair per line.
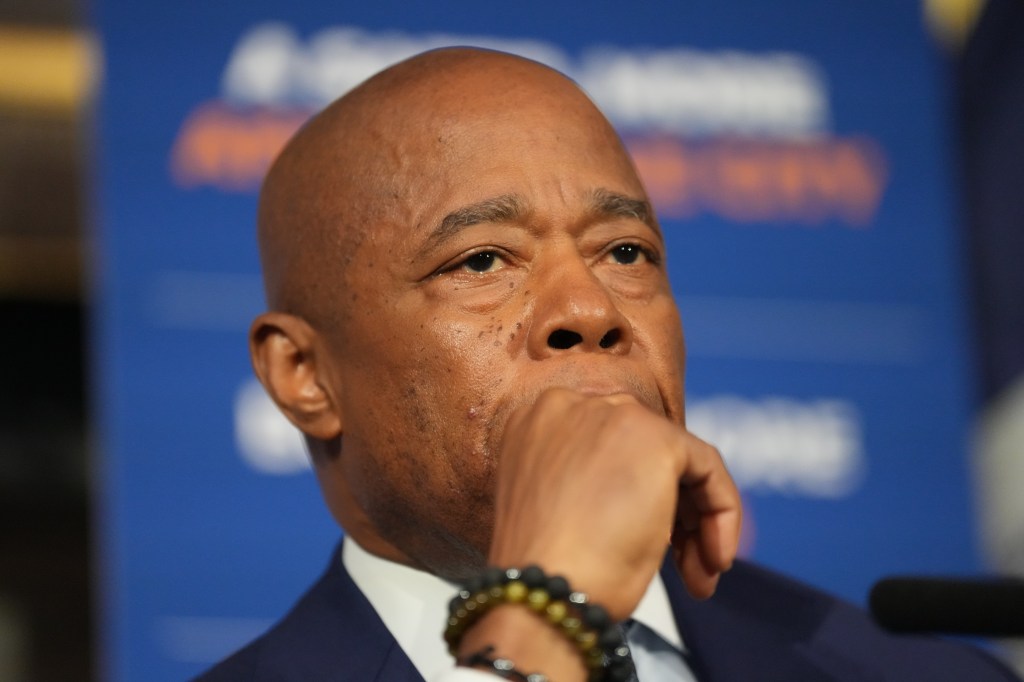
(990,607)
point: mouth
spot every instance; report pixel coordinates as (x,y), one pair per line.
(604,381)
(641,394)
(594,383)
(649,396)
(586,377)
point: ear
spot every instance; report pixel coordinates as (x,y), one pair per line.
(284,350)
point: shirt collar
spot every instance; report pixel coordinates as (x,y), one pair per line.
(414,605)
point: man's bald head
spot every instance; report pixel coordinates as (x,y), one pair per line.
(353,169)
(442,244)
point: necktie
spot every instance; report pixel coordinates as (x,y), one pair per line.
(655,659)
(627,627)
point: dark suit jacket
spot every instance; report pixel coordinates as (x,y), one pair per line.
(758,626)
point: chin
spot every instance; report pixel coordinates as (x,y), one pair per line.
(458,559)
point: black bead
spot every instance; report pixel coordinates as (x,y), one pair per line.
(475,584)
(621,671)
(609,638)
(558,587)
(596,617)
(533,577)
(493,577)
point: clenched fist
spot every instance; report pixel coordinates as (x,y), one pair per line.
(596,487)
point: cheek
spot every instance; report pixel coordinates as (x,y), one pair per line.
(426,388)
(430,369)
(660,336)
(483,349)
(478,382)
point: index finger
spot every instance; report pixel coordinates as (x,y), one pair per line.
(708,517)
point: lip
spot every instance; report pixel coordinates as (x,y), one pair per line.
(604,381)
(586,375)
(649,396)
(605,390)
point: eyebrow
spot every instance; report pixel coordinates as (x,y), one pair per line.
(606,203)
(509,207)
(504,208)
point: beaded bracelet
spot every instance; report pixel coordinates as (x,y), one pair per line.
(587,626)
(502,667)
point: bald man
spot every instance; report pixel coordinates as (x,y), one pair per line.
(472,324)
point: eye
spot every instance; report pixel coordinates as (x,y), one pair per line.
(481,262)
(627,254)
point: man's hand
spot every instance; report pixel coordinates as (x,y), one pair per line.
(595,487)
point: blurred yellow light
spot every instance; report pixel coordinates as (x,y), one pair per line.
(952,20)
(49,69)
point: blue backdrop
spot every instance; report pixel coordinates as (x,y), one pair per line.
(797,154)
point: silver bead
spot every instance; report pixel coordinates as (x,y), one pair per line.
(578,598)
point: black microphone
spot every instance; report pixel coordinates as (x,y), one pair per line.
(986,607)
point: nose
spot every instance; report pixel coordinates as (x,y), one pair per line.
(575,312)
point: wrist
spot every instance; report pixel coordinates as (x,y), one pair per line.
(532,611)
(518,635)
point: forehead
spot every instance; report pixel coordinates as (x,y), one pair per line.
(397,154)
(384,166)
(553,152)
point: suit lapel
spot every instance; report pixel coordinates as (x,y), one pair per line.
(756,627)
(747,632)
(343,635)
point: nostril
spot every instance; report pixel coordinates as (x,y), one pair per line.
(610,339)
(563,339)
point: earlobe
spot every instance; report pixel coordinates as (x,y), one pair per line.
(285,357)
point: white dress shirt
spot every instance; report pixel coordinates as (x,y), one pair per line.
(414,606)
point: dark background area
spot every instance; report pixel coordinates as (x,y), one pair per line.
(46,604)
